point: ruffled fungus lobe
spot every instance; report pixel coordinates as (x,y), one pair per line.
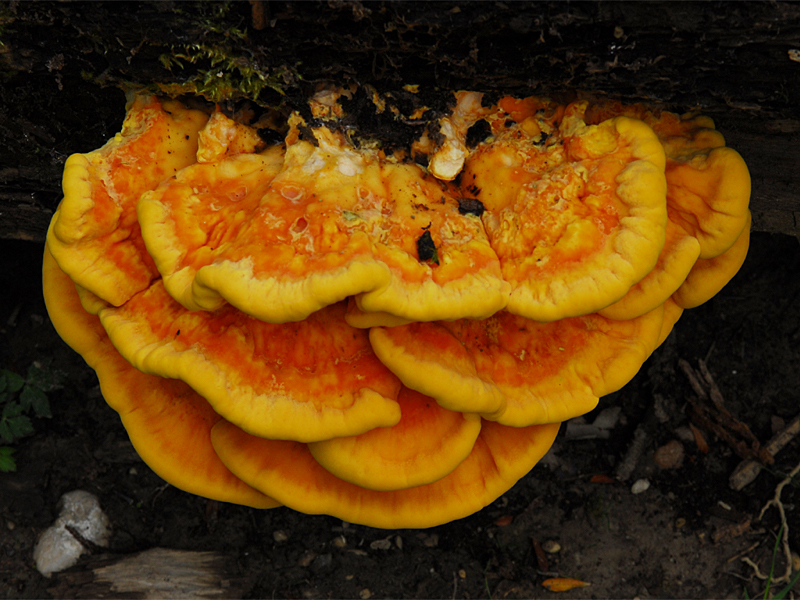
(348,333)
(169,425)
(500,456)
(710,189)
(515,370)
(428,443)
(202,208)
(677,258)
(709,275)
(575,212)
(465,280)
(306,381)
(94,235)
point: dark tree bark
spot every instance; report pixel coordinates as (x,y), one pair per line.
(64,66)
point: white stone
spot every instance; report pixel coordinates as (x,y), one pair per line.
(57,549)
(641,485)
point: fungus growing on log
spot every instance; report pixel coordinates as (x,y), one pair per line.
(169,424)
(94,235)
(335,328)
(256,374)
(501,456)
(332,223)
(517,371)
(585,215)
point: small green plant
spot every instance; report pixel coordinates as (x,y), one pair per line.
(780,595)
(785,591)
(19,398)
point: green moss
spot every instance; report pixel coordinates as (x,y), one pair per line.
(219,63)
(214,59)
(213,17)
(222,75)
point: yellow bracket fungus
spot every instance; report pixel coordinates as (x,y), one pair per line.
(94,235)
(289,473)
(709,275)
(583,217)
(428,443)
(515,370)
(306,381)
(347,332)
(169,425)
(280,237)
(677,258)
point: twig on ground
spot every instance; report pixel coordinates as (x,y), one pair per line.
(739,555)
(787,552)
(159,491)
(627,465)
(83,541)
(709,412)
(747,470)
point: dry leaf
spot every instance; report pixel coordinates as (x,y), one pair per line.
(541,558)
(602,479)
(702,445)
(563,584)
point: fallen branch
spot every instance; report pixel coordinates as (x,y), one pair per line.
(709,412)
(157,573)
(747,470)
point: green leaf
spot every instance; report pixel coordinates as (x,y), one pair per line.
(24,400)
(7,463)
(14,381)
(12,409)
(5,433)
(20,426)
(36,398)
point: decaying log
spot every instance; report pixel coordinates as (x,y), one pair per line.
(64,65)
(770,151)
(159,573)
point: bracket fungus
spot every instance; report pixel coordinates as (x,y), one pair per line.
(334,328)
